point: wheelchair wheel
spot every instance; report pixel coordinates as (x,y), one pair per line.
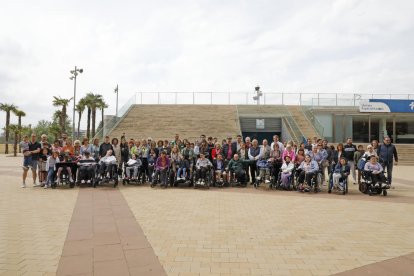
(384,192)
(71,185)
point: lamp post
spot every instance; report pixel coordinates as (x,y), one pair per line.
(258,94)
(116,91)
(74,74)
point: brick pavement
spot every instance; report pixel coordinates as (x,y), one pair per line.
(214,232)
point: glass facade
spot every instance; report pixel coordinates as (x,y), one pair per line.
(363,128)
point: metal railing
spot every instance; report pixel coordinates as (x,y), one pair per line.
(297,134)
(271,98)
(317,125)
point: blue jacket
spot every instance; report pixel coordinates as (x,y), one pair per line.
(387,153)
(343,169)
(313,168)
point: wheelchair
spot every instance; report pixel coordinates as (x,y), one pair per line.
(205,182)
(102,175)
(64,177)
(277,183)
(135,175)
(343,180)
(368,186)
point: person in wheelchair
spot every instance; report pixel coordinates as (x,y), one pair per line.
(376,171)
(87,166)
(183,172)
(133,165)
(236,170)
(64,158)
(107,164)
(309,169)
(286,173)
(220,175)
(202,167)
(340,174)
(161,170)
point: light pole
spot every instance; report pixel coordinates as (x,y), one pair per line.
(258,94)
(116,91)
(74,74)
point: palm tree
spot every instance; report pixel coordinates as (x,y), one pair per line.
(58,101)
(80,107)
(19,114)
(7,108)
(16,130)
(89,98)
(93,103)
(102,105)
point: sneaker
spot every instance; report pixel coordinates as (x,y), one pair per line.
(258,178)
(23,185)
(82,181)
(70,179)
(377,185)
(267,181)
(88,182)
(36,185)
(45,187)
(384,185)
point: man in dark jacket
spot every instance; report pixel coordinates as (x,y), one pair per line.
(387,153)
(105,146)
(229,149)
(349,151)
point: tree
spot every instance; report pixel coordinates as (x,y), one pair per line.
(7,108)
(80,107)
(19,114)
(58,101)
(89,98)
(102,105)
(93,103)
(17,131)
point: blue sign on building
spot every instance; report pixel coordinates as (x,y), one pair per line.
(383,105)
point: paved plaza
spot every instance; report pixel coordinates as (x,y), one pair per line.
(136,230)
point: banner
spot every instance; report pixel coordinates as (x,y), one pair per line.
(382,105)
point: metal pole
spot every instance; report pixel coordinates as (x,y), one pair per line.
(247,98)
(74,104)
(117,100)
(336,99)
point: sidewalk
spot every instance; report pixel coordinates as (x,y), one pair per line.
(202,232)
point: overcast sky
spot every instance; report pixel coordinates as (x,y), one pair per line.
(294,46)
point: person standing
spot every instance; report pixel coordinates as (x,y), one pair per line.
(34,150)
(387,153)
(349,151)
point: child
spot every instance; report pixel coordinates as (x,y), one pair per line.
(341,172)
(183,167)
(42,166)
(219,169)
(357,155)
(64,158)
(50,167)
(152,157)
(27,159)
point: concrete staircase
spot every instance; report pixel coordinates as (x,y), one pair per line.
(302,122)
(189,121)
(405,154)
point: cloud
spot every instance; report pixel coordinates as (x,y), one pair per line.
(291,46)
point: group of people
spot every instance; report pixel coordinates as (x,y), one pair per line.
(241,160)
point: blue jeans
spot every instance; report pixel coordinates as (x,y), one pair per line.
(388,166)
(50,176)
(181,170)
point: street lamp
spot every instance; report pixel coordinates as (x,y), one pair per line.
(116,91)
(74,74)
(258,94)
